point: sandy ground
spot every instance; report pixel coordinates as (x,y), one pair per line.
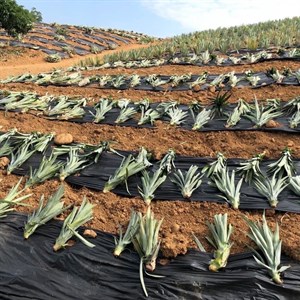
(33,61)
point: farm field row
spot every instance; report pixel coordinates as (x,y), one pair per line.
(111,210)
(162,137)
(182,218)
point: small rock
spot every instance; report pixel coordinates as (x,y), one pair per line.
(197,88)
(97,131)
(102,219)
(270,212)
(112,46)
(175,227)
(212,88)
(164,261)
(190,93)
(271,124)
(90,233)
(70,243)
(84,82)
(290,144)
(266,152)
(63,139)
(164,234)
(4,161)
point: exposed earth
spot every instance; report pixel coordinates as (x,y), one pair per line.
(181,219)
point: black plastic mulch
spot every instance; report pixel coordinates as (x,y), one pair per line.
(31,270)
(97,174)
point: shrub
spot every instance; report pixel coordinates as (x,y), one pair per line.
(52,58)
(15,19)
(61,31)
(112,46)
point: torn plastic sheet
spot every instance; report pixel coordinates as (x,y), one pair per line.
(96,175)
(31,270)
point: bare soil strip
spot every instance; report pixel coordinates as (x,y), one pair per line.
(37,64)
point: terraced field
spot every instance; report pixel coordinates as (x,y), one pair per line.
(156,106)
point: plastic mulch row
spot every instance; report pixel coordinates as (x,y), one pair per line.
(31,270)
(225,63)
(144,85)
(97,174)
(215,124)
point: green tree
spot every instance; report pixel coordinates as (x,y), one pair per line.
(37,15)
(15,19)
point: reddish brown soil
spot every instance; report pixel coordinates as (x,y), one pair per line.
(20,65)
(181,219)
(7,53)
(162,137)
(17,55)
(248,94)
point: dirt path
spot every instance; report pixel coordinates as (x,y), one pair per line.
(36,64)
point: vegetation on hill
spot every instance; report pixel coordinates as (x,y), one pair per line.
(15,19)
(279,33)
